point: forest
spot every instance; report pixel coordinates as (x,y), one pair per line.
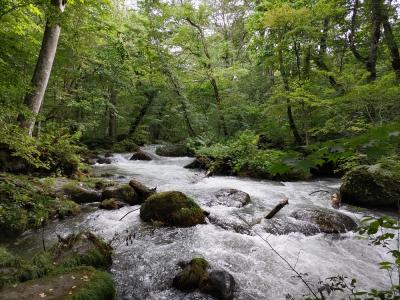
(198,149)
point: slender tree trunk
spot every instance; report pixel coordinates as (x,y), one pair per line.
(218,101)
(391,42)
(151,95)
(112,120)
(376,18)
(34,97)
(293,128)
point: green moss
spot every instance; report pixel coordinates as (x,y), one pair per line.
(172,208)
(26,203)
(192,276)
(82,249)
(15,269)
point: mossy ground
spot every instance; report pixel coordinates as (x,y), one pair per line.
(172,208)
(27,202)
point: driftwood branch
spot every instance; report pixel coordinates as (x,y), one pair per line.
(319,191)
(277,208)
(129,213)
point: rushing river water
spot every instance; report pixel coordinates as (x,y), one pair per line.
(145,259)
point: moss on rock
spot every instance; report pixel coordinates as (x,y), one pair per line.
(124,193)
(26,203)
(172,208)
(81,193)
(81,249)
(372,186)
(193,275)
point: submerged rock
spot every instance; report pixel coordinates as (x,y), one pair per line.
(229,225)
(124,193)
(142,191)
(372,186)
(111,204)
(230,198)
(141,155)
(172,208)
(195,276)
(81,194)
(104,161)
(83,283)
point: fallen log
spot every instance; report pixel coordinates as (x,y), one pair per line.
(277,208)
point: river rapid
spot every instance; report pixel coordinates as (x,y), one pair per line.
(146,257)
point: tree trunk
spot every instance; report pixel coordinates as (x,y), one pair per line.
(112,117)
(376,19)
(391,42)
(150,95)
(219,107)
(34,97)
(297,138)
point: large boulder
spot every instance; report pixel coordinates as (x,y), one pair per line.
(104,161)
(201,163)
(83,283)
(176,150)
(230,198)
(372,186)
(81,194)
(326,220)
(124,193)
(310,220)
(141,155)
(172,208)
(142,191)
(195,276)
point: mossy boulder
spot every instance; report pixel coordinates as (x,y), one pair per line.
(26,203)
(81,193)
(142,191)
(124,193)
(195,276)
(177,150)
(83,283)
(81,249)
(372,186)
(111,204)
(200,163)
(172,208)
(141,155)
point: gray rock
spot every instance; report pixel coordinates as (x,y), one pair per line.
(230,198)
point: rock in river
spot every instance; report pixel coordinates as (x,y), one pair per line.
(230,198)
(172,208)
(124,193)
(141,155)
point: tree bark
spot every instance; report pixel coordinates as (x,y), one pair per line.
(277,208)
(150,95)
(112,117)
(391,42)
(34,97)
(297,138)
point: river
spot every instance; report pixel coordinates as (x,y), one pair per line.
(145,257)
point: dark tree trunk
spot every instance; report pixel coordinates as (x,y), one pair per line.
(34,97)
(150,95)
(293,128)
(112,115)
(376,22)
(391,42)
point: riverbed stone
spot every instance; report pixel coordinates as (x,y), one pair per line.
(230,198)
(83,283)
(104,161)
(172,208)
(111,204)
(372,186)
(142,191)
(141,155)
(196,275)
(124,193)
(201,163)
(81,194)
(176,150)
